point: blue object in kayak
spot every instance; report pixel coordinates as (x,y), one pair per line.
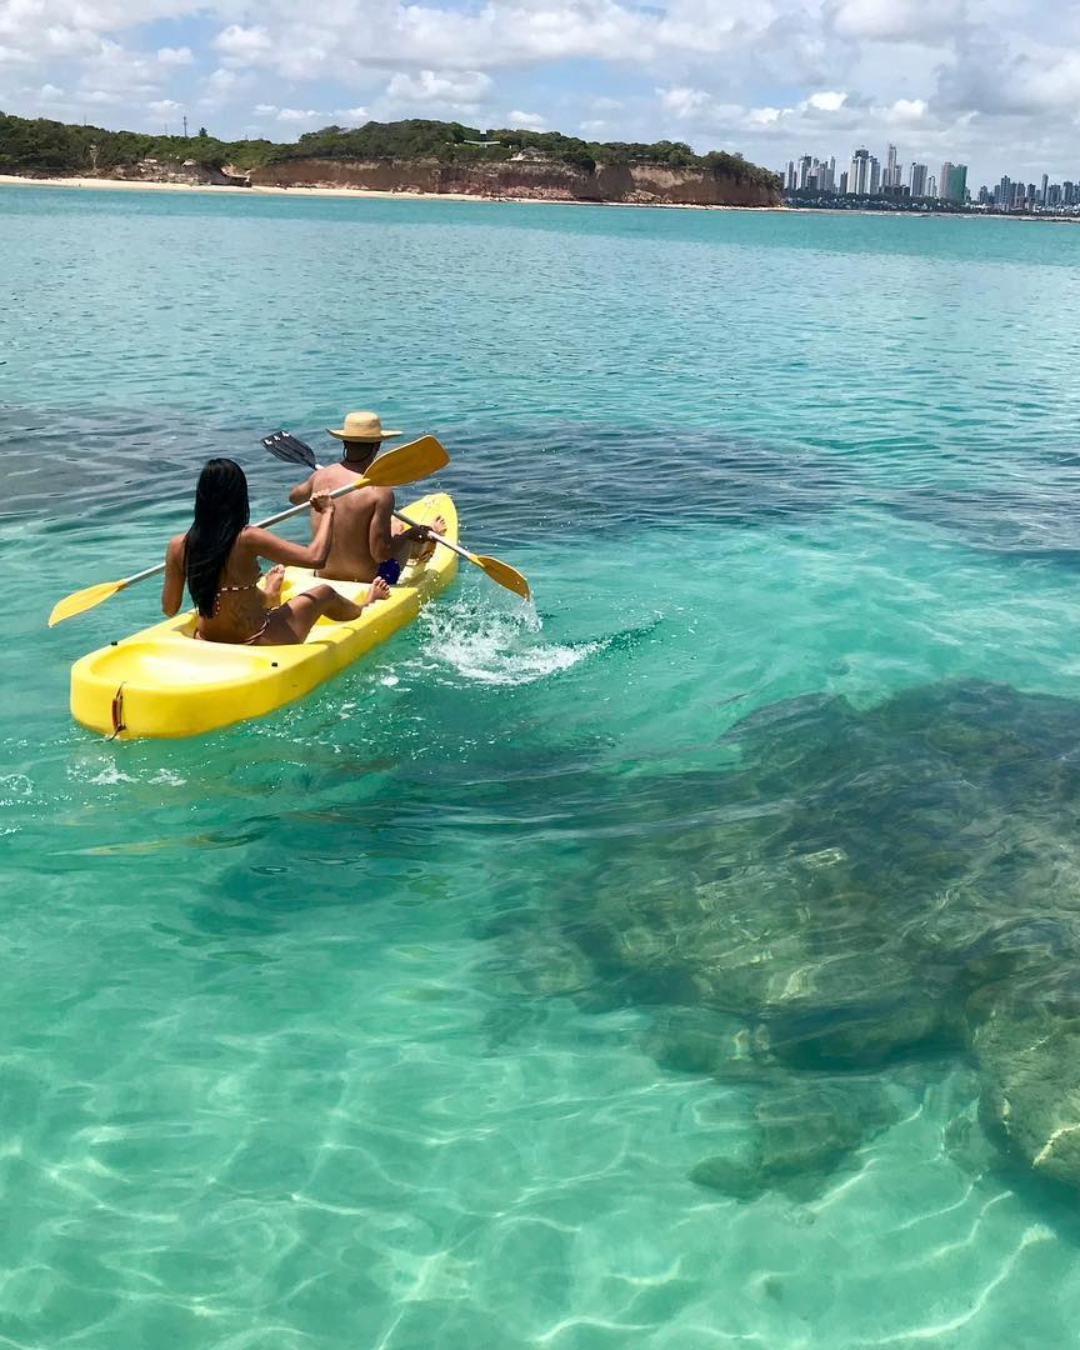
(389,570)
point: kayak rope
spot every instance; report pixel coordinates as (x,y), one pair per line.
(118,712)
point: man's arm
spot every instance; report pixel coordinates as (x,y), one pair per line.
(302,492)
(383,543)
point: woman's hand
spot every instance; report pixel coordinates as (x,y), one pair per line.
(322,501)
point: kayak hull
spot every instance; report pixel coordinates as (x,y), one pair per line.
(162,682)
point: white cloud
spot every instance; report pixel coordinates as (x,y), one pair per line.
(239,46)
(684,102)
(175,56)
(429,86)
(906,110)
(122,74)
(526,121)
(898,20)
(339,117)
(221,87)
(165,107)
(49,93)
(827,100)
(222,82)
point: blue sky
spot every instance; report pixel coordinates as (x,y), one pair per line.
(992,83)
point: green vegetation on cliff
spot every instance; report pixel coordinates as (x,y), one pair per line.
(40,146)
(36,145)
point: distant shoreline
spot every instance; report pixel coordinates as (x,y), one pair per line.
(927,215)
(217,189)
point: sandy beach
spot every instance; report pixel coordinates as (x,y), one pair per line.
(136,185)
(133,185)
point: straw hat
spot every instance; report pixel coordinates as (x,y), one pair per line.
(362,426)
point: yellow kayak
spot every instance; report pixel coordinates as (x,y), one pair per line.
(161,682)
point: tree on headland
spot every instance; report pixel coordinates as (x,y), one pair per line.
(41,146)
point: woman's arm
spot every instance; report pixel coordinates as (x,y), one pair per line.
(172,591)
(315,554)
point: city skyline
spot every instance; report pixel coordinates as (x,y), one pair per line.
(866,176)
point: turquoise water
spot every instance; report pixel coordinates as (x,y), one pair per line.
(608,973)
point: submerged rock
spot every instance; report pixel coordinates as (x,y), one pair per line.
(801,1133)
(1027,1047)
(863,885)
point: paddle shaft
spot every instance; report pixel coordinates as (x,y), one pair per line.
(437,538)
(259,525)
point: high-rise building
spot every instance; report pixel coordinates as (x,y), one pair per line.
(952,185)
(859,174)
(892,171)
(1045,189)
(875,176)
(842,185)
(943,181)
(804,171)
(790,181)
(931,186)
(918,180)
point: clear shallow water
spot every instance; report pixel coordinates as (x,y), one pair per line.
(387,1020)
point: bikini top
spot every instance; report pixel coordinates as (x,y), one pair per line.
(251,586)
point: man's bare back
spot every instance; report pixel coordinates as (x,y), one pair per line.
(365,531)
(351,556)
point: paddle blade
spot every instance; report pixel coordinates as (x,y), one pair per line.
(80,601)
(407,463)
(503,574)
(284,445)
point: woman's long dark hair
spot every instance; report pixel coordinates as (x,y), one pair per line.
(221,512)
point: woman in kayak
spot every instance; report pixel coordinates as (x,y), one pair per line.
(219,559)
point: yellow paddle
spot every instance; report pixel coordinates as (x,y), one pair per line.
(499,572)
(283,445)
(397,467)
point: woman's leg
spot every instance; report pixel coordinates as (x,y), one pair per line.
(292,622)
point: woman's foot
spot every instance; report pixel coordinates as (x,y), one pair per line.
(378,590)
(272,584)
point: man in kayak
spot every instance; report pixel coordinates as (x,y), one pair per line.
(368,542)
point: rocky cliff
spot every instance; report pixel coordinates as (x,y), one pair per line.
(187,171)
(543,180)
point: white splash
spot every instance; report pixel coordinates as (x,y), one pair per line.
(496,646)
